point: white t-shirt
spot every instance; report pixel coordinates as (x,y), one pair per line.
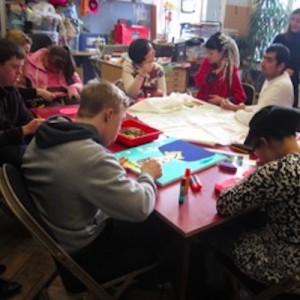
(278,91)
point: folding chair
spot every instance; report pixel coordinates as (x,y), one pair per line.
(18,200)
(250,93)
(255,289)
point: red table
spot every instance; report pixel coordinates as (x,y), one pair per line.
(46,112)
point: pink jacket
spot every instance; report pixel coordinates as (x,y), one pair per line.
(35,71)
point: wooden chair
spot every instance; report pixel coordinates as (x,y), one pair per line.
(250,93)
(257,290)
(18,200)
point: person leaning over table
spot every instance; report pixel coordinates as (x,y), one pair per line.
(264,237)
(80,215)
(53,69)
(217,78)
(277,88)
(17,124)
(142,76)
(25,42)
(270,253)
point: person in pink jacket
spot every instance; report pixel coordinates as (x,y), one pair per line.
(53,69)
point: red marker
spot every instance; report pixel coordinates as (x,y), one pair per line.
(195,183)
(187,176)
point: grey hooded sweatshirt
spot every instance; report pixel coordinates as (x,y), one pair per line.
(76,183)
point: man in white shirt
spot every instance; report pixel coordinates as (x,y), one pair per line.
(277,88)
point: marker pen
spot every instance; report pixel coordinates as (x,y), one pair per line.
(183,184)
(187,177)
(194,184)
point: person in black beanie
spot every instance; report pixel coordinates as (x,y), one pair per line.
(291,39)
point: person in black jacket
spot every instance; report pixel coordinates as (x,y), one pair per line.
(17,123)
(291,39)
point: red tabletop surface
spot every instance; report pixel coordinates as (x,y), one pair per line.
(197,213)
(46,112)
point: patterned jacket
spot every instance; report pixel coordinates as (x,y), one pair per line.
(272,252)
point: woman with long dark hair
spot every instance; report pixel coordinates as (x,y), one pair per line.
(217,77)
(53,69)
(291,39)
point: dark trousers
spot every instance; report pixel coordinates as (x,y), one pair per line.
(12,154)
(124,247)
(207,275)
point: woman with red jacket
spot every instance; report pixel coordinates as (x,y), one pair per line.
(217,77)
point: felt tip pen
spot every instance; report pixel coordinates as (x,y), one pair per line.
(187,177)
(183,184)
(195,183)
(132,165)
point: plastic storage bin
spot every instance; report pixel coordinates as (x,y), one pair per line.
(125,35)
(150,135)
(87,40)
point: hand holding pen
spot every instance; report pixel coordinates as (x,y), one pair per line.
(153,168)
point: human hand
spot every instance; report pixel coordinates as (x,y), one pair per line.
(230,106)
(157,93)
(153,168)
(122,160)
(216,100)
(32,126)
(146,68)
(73,94)
(48,96)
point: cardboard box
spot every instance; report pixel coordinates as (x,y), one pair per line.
(236,17)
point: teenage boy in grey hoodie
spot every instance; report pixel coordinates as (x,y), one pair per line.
(78,185)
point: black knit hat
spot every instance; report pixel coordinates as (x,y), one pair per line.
(272,121)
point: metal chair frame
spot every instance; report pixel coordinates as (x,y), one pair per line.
(19,202)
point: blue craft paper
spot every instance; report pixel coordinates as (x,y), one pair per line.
(174,155)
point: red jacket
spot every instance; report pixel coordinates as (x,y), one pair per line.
(218,86)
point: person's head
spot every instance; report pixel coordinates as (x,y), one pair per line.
(275,61)
(20,38)
(59,58)
(141,50)
(271,131)
(103,105)
(294,22)
(11,62)
(220,46)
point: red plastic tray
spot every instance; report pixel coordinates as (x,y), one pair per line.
(151,134)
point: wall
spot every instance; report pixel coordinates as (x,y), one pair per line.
(215,10)
(110,12)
